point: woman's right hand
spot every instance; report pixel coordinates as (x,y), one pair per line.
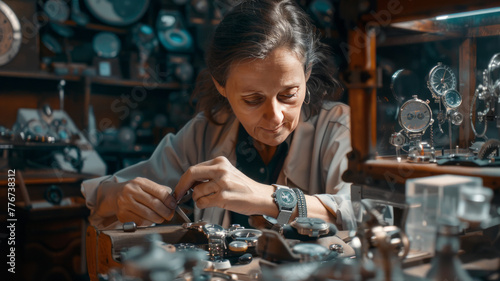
(144,202)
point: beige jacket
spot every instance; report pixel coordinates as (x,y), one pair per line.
(315,161)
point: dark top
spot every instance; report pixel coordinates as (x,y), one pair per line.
(249,162)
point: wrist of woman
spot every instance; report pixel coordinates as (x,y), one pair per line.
(107,195)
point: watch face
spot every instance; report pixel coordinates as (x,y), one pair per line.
(243,234)
(452,99)
(415,116)
(10,34)
(212,228)
(441,79)
(286,197)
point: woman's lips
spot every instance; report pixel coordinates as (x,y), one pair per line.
(275,130)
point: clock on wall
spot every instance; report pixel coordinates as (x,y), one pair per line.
(118,12)
(10,34)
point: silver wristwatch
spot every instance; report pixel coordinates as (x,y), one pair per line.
(312,227)
(286,200)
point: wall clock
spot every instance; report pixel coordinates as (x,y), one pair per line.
(10,34)
(117,12)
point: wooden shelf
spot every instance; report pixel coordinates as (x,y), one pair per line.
(135,83)
(96,80)
(88,26)
(38,75)
(394,172)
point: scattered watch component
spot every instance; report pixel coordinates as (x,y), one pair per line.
(336,248)
(245,258)
(129,226)
(185,246)
(216,235)
(221,264)
(249,236)
(441,79)
(238,246)
(194,225)
(10,39)
(235,226)
(310,252)
(209,228)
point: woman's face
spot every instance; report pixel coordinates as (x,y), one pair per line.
(266,95)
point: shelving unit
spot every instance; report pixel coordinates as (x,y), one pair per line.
(411,23)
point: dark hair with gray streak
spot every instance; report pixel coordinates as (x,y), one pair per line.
(253,29)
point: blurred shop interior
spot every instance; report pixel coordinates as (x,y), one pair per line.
(88,87)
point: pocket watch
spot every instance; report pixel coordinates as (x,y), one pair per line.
(415,116)
(10,34)
(441,78)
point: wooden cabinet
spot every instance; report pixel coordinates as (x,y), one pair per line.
(408,35)
(46,240)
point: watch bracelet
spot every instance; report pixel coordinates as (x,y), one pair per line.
(301,202)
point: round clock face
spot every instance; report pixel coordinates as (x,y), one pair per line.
(118,12)
(452,99)
(441,79)
(106,45)
(10,34)
(415,116)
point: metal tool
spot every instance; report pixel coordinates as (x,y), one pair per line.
(181,213)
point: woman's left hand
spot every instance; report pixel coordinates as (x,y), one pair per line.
(217,183)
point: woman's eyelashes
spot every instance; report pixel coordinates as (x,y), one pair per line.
(287,96)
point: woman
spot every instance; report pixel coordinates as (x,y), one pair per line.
(268,118)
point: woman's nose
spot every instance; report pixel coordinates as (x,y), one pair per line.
(274,112)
